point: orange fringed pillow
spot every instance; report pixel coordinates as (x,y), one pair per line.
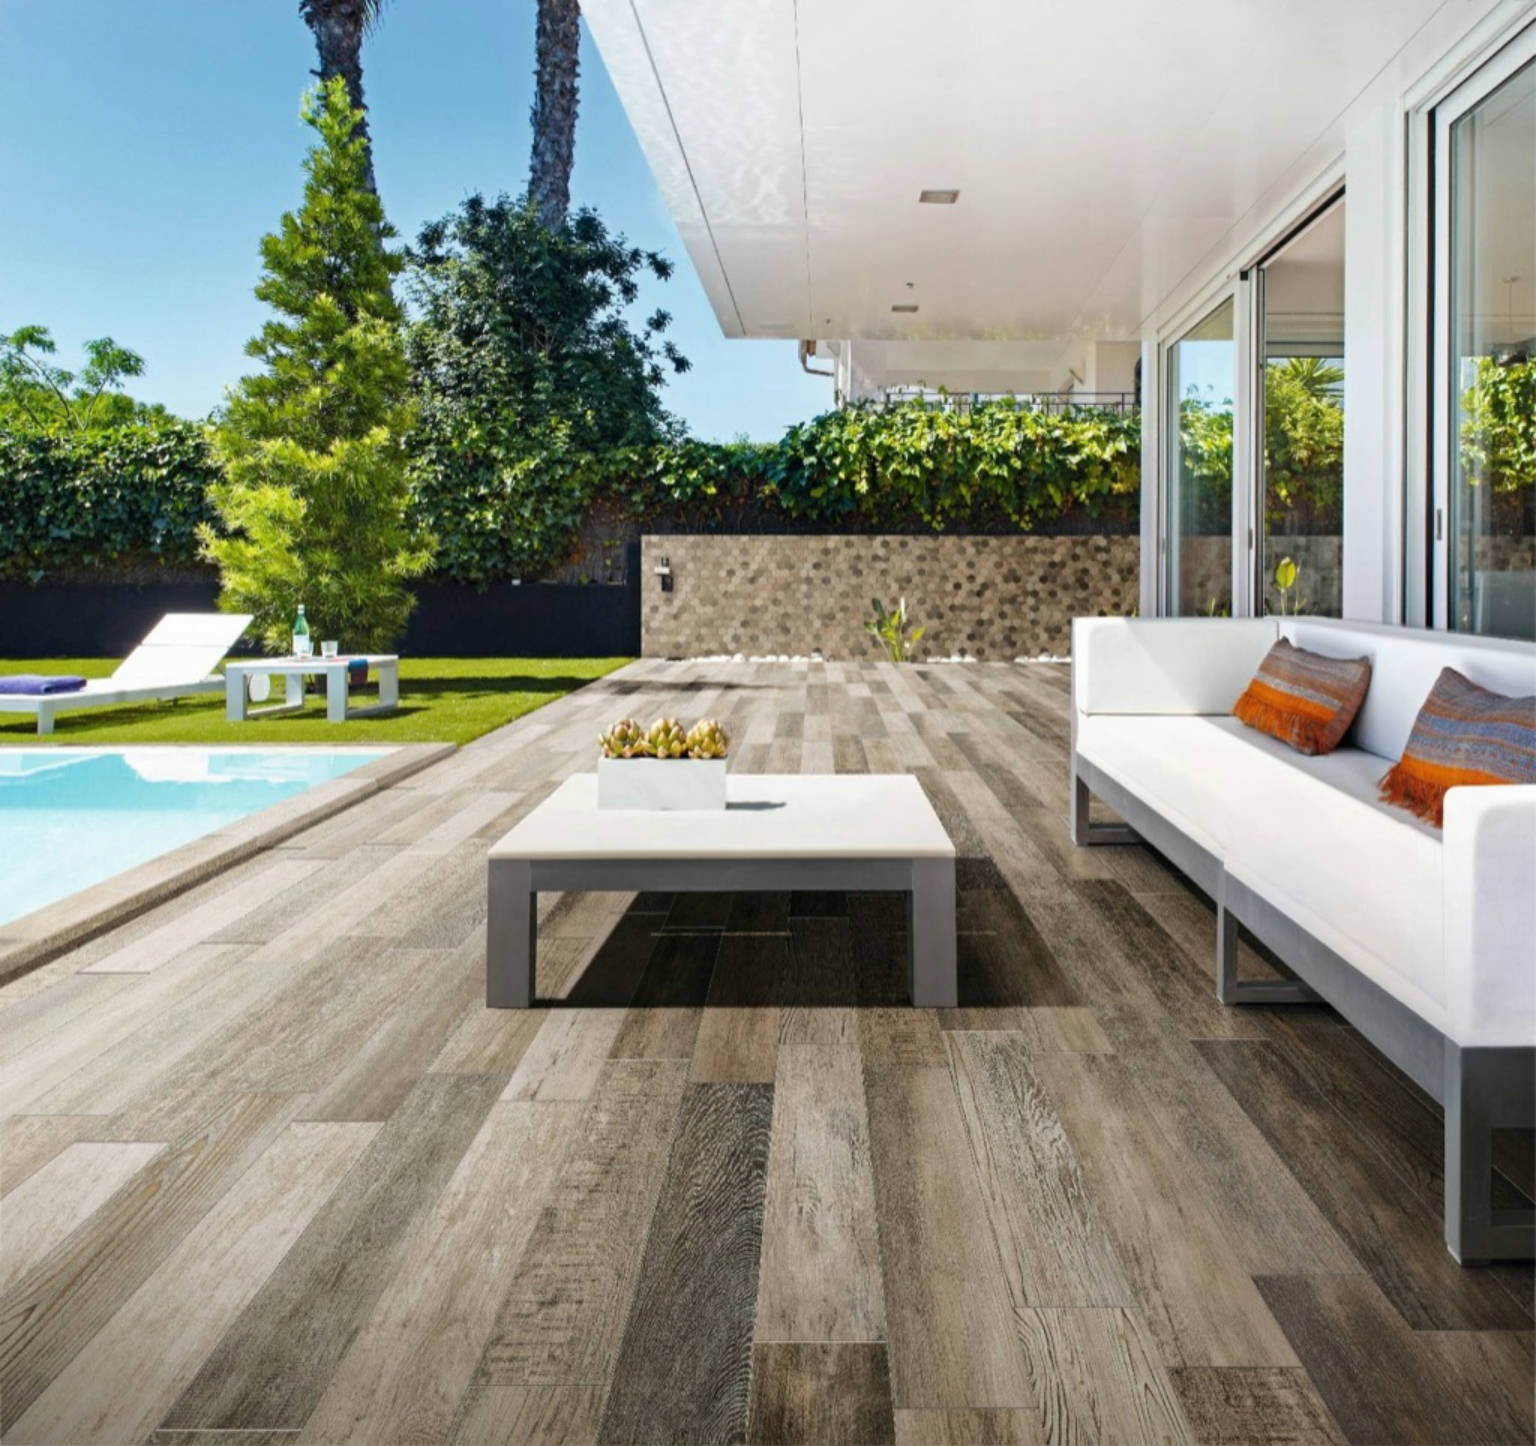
(1463,735)
(1304,699)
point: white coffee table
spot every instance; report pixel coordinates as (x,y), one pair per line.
(873,832)
(293,671)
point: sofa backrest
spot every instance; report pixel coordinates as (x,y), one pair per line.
(1404,665)
(1165,665)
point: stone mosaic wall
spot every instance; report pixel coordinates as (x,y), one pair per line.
(990,597)
(1207,563)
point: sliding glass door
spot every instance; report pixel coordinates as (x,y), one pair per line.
(1300,340)
(1485,374)
(1198,519)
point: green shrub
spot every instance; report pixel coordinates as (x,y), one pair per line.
(1000,466)
(510,514)
(127,494)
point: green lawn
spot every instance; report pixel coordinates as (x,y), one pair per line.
(442,700)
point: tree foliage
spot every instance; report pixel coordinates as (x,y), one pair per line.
(529,378)
(314,496)
(38,394)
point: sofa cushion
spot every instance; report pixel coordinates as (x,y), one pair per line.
(1404,665)
(1191,768)
(1464,735)
(1306,833)
(1361,884)
(1305,699)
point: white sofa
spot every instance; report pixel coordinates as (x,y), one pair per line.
(1424,938)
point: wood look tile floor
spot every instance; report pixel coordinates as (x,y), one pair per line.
(272,1173)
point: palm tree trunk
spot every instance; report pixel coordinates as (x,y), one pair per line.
(554,109)
(338,27)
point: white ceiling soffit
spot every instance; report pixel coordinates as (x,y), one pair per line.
(1100,151)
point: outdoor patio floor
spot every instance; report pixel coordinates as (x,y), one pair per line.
(271,1168)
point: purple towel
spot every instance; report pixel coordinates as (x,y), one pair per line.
(32,684)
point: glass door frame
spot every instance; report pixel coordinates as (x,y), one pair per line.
(1233,290)
(1255,356)
(1513,55)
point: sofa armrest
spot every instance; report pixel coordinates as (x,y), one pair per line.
(1490,914)
(1165,665)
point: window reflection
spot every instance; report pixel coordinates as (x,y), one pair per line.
(1492,372)
(1200,388)
(1301,556)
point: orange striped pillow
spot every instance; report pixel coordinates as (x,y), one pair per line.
(1463,734)
(1304,699)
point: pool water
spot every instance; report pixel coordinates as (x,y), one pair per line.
(71,817)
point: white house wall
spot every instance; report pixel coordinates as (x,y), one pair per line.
(1374,390)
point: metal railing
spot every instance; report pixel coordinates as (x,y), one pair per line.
(1122,403)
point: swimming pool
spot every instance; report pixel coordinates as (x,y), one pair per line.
(71,817)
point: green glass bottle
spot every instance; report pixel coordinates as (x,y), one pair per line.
(301,644)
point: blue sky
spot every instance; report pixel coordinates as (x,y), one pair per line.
(148,144)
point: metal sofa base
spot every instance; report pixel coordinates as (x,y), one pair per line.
(1481,1089)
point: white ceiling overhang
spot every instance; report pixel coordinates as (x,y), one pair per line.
(1101,150)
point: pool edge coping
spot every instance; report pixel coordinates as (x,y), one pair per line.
(36,938)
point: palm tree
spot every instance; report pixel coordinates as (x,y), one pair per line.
(556,64)
(339,27)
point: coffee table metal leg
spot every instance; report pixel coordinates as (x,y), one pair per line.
(389,685)
(511,934)
(931,966)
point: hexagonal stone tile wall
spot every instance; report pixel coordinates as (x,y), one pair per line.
(989,597)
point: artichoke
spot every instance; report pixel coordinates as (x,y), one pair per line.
(706,739)
(667,739)
(626,739)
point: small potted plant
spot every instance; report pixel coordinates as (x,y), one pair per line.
(664,767)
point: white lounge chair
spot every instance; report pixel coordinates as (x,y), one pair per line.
(176,660)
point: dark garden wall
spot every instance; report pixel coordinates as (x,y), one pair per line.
(534,620)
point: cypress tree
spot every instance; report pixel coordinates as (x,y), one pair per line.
(314,498)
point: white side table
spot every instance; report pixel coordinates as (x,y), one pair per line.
(293,672)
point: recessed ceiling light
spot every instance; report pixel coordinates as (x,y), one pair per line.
(908,308)
(937,198)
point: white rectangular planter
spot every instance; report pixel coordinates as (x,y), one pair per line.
(664,783)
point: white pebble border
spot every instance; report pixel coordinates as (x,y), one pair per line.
(822,658)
